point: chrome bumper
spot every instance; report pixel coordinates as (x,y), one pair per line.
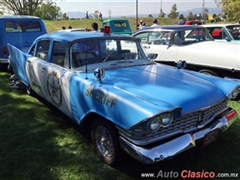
(4,60)
(173,147)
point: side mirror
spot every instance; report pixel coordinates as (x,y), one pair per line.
(181,64)
(152,56)
(99,74)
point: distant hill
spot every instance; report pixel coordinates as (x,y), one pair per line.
(199,10)
(78,14)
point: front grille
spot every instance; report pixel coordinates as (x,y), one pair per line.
(190,121)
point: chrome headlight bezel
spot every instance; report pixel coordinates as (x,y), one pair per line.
(162,120)
(155,123)
(166,119)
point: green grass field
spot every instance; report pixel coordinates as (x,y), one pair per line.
(40,143)
(53,26)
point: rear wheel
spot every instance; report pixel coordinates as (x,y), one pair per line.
(209,72)
(105,141)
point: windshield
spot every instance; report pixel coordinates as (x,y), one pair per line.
(197,35)
(235,31)
(107,54)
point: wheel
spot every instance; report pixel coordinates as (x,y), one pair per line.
(209,72)
(104,136)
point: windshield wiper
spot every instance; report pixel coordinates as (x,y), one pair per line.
(107,56)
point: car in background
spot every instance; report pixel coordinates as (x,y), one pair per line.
(107,84)
(190,22)
(118,26)
(72,30)
(224,32)
(19,31)
(195,45)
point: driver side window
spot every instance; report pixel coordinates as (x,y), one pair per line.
(43,49)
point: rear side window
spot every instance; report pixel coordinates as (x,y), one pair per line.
(22,26)
(120,24)
(59,53)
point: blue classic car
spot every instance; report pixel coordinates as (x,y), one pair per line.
(108,83)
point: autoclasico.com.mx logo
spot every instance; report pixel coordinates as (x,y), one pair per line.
(189,174)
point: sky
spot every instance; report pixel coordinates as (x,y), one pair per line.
(128,7)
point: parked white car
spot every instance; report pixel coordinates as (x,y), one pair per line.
(224,32)
(72,30)
(195,45)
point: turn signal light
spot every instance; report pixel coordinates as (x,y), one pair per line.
(231,115)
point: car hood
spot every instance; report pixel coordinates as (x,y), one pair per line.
(159,85)
(141,92)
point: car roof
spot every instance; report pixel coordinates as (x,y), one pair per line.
(72,30)
(18,17)
(71,36)
(115,19)
(171,27)
(219,25)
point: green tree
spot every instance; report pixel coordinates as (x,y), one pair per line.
(150,16)
(20,7)
(205,14)
(190,16)
(173,13)
(96,14)
(65,17)
(48,11)
(231,9)
(162,14)
(181,16)
(197,16)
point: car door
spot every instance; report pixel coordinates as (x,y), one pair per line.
(159,42)
(36,65)
(56,78)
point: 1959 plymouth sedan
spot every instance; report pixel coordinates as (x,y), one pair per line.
(106,82)
(195,45)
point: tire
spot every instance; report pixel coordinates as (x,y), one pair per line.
(104,136)
(209,72)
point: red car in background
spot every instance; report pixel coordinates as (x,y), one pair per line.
(190,22)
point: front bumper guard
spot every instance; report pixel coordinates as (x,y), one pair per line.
(173,147)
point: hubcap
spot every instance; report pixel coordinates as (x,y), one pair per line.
(104,141)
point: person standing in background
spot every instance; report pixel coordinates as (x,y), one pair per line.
(87,17)
(94,27)
(100,16)
(155,23)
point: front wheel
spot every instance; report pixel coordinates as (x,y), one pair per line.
(105,141)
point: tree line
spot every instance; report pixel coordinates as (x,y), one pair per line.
(48,10)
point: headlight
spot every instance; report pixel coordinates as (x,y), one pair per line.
(163,120)
(166,119)
(155,123)
(233,95)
